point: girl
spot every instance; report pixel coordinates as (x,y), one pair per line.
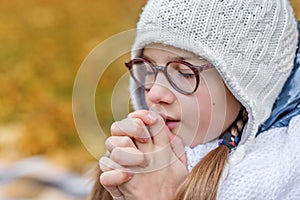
(204,77)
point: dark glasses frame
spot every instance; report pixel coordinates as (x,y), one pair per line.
(196,69)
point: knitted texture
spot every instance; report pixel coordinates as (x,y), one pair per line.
(251,43)
(271,168)
(269,171)
(194,155)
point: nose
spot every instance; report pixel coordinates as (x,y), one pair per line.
(161,92)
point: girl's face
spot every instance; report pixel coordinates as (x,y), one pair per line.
(197,118)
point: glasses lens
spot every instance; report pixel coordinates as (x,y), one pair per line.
(143,73)
(182,76)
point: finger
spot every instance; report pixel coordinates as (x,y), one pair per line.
(147,117)
(119,141)
(131,127)
(115,193)
(144,146)
(107,164)
(178,147)
(159,131)
(114,178)
(111,179)
(127,156)
(113,190)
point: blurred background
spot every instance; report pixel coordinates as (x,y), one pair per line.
(42,45)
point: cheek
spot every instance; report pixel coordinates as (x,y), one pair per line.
(219,111)
(196,117)
(205,107)
(212,105)
(223,110)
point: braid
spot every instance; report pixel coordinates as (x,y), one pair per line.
(232,135)
(202,182)
(237,126)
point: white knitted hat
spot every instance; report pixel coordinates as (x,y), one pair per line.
(251,43)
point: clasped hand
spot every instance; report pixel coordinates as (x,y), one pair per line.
(145,160)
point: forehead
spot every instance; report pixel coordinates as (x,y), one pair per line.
(160,49)
(159,53)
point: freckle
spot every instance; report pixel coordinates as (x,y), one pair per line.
(214,103)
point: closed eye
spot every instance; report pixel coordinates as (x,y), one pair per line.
(186,75)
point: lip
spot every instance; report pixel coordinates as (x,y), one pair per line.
(170,122)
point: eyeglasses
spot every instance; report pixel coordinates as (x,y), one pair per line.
(183,76)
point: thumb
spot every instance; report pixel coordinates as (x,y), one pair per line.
(177,147)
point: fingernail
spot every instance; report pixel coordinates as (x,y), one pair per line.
(144,137)
(142,140)
(129,174)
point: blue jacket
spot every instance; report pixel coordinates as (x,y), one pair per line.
(287,104)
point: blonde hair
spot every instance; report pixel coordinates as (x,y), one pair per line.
(203,181)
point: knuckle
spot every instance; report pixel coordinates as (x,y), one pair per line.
(116,155)
(138,122)
(138,125)
(138,113)
(103,167)
(109,143)
(104,164)
(143,112)
(114,127)
(125,141)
